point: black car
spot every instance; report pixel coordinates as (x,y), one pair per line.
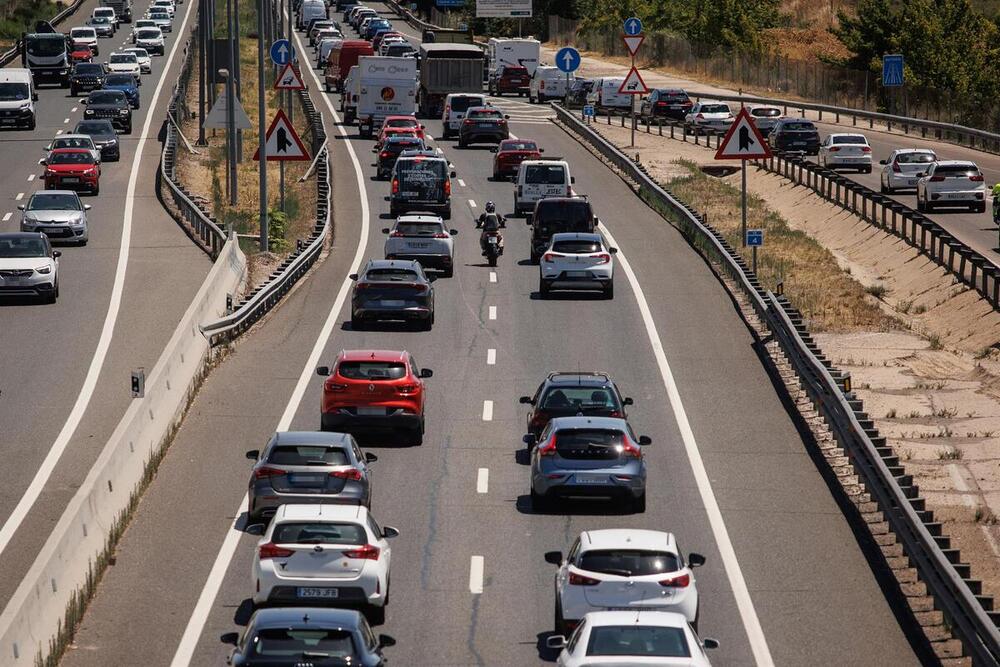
(111,105)
(794,135)
(104,136)
(86,77)
(555,215)
(481,124)
(574,393)
(579,90)
(391,148)
(421,183)
(670,103)
(392,289)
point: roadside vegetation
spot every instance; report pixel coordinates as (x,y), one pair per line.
(17,16)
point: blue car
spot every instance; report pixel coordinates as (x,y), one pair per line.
(375,26)
(125,83)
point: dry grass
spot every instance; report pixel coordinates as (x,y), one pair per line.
(813,280)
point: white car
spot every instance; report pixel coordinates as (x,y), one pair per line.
(765,116)
(121,62)
(142,55)
(86,36)
(142,23)
(75,141)
(577,261)
(165,5)
(616,638)
(704,116)
(628,569)
(161,18)
(842,150)
(422,238)
(106,12)
(28,266)
(150,39)
(455,106)
(334,555)
(951,183)
(903,166)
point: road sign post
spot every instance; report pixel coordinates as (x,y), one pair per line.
(633,84)
(755,239)
(261,110)
(743,142)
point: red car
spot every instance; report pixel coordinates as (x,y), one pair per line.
(397,125)
(512,79)
(72,169)
(379,38)
(374,390)
(511,153)
(81,53)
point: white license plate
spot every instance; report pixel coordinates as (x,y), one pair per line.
(371,412)
(590,479)
(410,193)
(304,479)
(392,303)
(577,274)
(911,181)
(71,180)
(798,143)
(318,593)
(418,244)
(955,195)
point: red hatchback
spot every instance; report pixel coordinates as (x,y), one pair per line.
(72,169)
(511,153)
(374,391)
(399,125)
(81,53)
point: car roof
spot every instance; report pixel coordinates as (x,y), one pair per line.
(71,149)
(670,619)
(317,512)
(548,162)
(21,235)
(372,355)
(577,236)
(72,135)
(311,437)
(400,116)
(278,617)
(848,134)
(581,421)
(635,538)
(37,193)
(392,264)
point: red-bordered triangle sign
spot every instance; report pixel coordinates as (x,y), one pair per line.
(281,141)
(633,84)
(289,79)
(743,141)
(632,43)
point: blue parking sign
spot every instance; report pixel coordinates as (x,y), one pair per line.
(892,70)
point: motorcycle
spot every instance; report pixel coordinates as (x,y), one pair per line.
(492,248)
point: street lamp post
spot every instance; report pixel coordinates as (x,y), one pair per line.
(260,125)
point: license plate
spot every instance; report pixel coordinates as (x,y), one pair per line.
(485,126)
(392,303)
(298,478)
(418,244)
(577,274)
(71,180)
(370,411)
(911,181)
(410,193)
(318,593)
(590,479)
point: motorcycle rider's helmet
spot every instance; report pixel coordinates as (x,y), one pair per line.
(491,207)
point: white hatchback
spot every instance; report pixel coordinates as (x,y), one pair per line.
(842,150)
(577,261)
(122,62)
(142,55)
(951,183)
(624,569)
(422,238)
(903,167)
(716,116)
(335,555)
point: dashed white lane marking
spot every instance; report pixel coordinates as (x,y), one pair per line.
(59,131)
(19,197)
(483,481)
(477,564)
(512,136)
(65,120)
(493,276)
(31,177)
(73,110)
(472,203)
(491,354)
(487,410)
(6,216)
(461,182)
(493,312)
(440,152)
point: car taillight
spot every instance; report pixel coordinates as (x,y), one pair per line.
(441,235)
(936,179)
(616,414)
(447,188)
(602,258)
(866,149)
(896,168)
(384,154)
(352,474)
(541,85)
(272,550)
(977,179)
(335,386)
(631,450)
(549,448)
(580,580)
(395,186)
(265,472)
(569,191)
(538,419)
(834,149)
(369,551)
(406,388)
(680,581)
(661,104)
(468,121)
(550,256)
(397,234)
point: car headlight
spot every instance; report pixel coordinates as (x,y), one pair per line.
(44,269)
(78,222)
(88,112)
(123,111)
(25,106)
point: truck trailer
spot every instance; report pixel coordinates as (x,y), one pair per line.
(387,87)
(447,68)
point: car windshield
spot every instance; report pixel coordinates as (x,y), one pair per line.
(83,33)
(766,113)
(119,80)
(117,58)
(462,102)
(576,247)
(372,370)
(518,146)
(10,91)
(106,97)
(916,158)
(487,114)
(638,640)
(71,157)
(144,23)
(401,122)
(956,170)
(629,562)
(22,247)
(72,142)
(139,53)
(544,174)
(392,275)
(850,139)
(95,128)
(799,126)
(714,108)
(419,228)
(319,533)
(100,20)
(148,34)
(89,69)
(578,398)
(45,201)
(47,45)
(308,455)
(294,643)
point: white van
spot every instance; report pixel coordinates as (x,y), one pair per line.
(604,95)
(17,98)
(350,94)
(311,9)
(547,83)
(538,179)
(455,106)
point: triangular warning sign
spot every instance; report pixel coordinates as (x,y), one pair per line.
(289,79)
(633,42)
(218,117)
(281,142)
(633,84)
(743,141)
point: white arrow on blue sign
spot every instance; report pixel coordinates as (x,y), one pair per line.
(633,26)
(568,59)
(282,52)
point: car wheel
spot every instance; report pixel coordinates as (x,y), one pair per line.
(447,214)
(96,191)
(449,272)
(559,623)
(417,437)
(543,288)
(427,324)
(357,323)
(639,504)
(609,291)
(461,142)
(981,207)
(376,615)
(928,207)
(921,207)
(539,503)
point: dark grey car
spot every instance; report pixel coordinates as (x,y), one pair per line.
(104,136)
(112,105)
(306,467)
(392,289)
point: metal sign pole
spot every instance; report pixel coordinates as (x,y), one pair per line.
(202,78)
(231,105)
(281,184)
(236,72)
(260,125)
(291,94)
(743,206)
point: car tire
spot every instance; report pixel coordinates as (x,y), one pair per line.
(543,288)
(639,504)
(376,615)
(96,191)
(427,324)
(540,503)
(417,437)
(447,214)
(461,142)
(73,92)
(884,189)
(921,207)
(357,323)
(609,291)
(981,207)
(449,272)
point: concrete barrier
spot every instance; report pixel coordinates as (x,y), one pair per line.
(37,612)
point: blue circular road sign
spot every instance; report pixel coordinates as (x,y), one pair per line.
(633,26)
(568,59)
(282,52)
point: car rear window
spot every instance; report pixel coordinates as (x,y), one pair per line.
(518,146)
(577,398)
(308,455)
(106,97)
(567,216)
(956,170)
(392,275)
(76,157)
(371,370)
(715,108)
(463,102)
(89,68)
(401,122)
(576,247)
(419,228)
(915,158)
(850,139)
(766,113)
(94,127)
(485,113)
(72,142)
(799,126)
(514,71)
(123,58)
(544,174)
(628,562)
(398,147)
(318,532)
(589,444)
(638,640)
(292,643)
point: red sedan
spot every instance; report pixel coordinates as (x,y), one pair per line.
(407,125)
(72,169)
(511,153)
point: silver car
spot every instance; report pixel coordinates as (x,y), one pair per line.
(586,457)
(903,167)
(306,467)
(28,266)
(59,214)
(422,238)
(706,116)
(74,141)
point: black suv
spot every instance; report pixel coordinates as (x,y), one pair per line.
(104,136)
(86,77)
(555,215)
(483,124)
(110,105)
(421,183)
(391,148)
(574,393)
(672,103)
(794,136)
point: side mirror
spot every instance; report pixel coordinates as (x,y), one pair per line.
(57,253)
(426,373)
(87,207)
(43,161)
(710,643)
(323,370)
(541,150)
(881,162)
(529,439)
(645,440)
(555,641)
(628,401)
(20,207)
(385,230)
(554,557)
(695,560)
(253,454)
(494,149)
(572,179)
(83,102)
(526,400)
(389,532)
(613,251)
(353,276)
(374,149)
(370,458)
(385,641)
(423,127)
(256,529)
(230,638)
(453,173)
(453,232)
(506,117)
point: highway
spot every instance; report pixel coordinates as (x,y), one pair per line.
(64,368)
(786,581)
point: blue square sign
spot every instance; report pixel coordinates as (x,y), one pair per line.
(755,237)
(892,70)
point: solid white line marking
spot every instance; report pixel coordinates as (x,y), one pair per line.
(31,177)
(751,623)
(19,197)
(487,411)
(491,356)
(476,566)
(472,203)
(461,182)
(188,642)
(73,110)
(438,149)
(493,312)
(493,276)
(6,216)
(483,481)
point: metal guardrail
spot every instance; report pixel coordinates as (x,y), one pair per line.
(953,594)
(11,54)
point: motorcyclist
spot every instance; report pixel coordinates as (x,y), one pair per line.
(490,224)
(491,208)
(996,203)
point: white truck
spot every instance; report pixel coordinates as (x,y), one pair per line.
(387,87)
(504,59)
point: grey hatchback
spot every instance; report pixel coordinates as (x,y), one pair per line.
(306,467)
(588,457)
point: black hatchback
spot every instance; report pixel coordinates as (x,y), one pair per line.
(556,215)
(391,148)
(574,393)
(794,136)
(672,103)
